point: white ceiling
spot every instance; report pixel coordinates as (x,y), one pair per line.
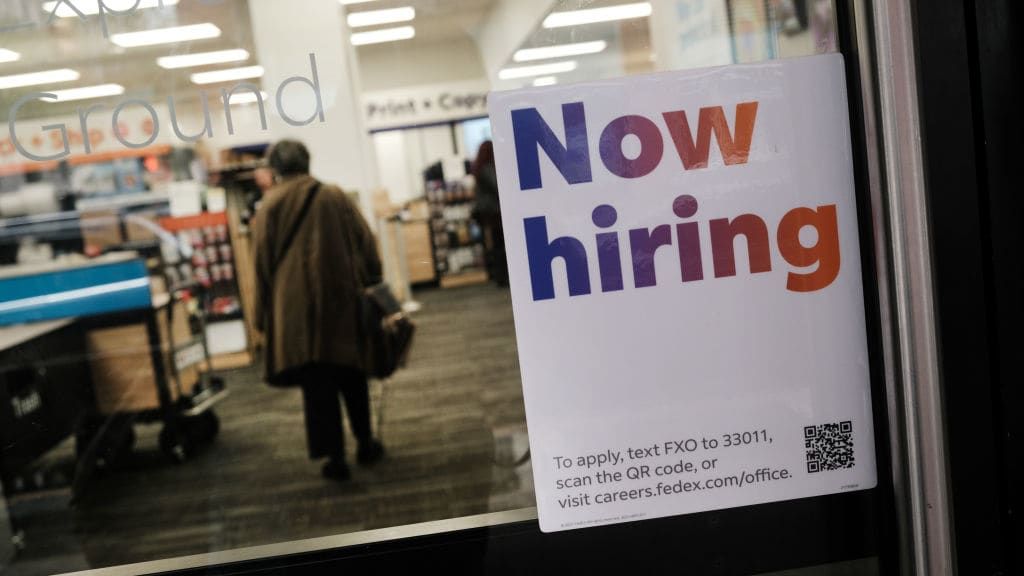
(629,45)
(444,48)
(80,45)
(436,20)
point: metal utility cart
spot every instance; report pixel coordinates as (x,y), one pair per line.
(138,358)
(87,350)
(183,388)
(184,408)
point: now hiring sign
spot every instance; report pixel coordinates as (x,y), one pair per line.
(686,281)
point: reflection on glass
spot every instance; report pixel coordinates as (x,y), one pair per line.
(137,139)
(607,39)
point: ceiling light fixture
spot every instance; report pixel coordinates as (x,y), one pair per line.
(560,51)
(247,98)
(166,35)
(92,7)
(594,15)
(37,78)
(228,75)
(384,35)
(9,56)
(202,59)
(87,92)
(350,2)
(537,70)
(545,81)
(378,17)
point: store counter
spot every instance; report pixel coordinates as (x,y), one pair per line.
(45,390)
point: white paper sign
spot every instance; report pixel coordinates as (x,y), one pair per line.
(186,198)
(686,281)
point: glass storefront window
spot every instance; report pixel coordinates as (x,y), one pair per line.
(138,422)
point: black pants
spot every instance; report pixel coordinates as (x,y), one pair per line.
(494,248)
(320,387)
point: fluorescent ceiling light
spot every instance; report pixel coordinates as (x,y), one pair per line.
(228,75)
(593,15)
(537,70)
(349,2)
(545,81)
(383,35)
(9,55)
(202,59)
(377,17)
(36,78)
(247,98)
(166,35)
(561,51)
(87,92)
(92,7)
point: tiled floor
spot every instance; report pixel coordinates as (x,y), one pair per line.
(452,421)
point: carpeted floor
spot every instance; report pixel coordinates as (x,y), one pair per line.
(451,421)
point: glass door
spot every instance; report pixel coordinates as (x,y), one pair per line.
(180,137)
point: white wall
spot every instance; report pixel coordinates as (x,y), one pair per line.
(404,154)
(285,33)
(401,64)
(396,174)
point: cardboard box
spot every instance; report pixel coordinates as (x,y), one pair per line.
(419,254)
(418,210)
(101,229)
(122,369)
(382,206)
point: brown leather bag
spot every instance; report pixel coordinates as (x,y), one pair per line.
(388,331)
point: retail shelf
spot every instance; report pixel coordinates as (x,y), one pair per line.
(119,201)
(226,317)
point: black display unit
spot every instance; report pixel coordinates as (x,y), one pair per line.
(44,398)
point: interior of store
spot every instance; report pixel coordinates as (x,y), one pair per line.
(136,177)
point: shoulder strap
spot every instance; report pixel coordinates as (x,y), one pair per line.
(290,237)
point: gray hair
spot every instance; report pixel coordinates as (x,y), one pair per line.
(288,158)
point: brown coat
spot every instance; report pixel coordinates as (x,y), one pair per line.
(309,308)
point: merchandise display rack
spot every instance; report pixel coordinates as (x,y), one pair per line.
(238,179)
(212,264)
(455,235)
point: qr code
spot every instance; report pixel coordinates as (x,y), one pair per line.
(829,446)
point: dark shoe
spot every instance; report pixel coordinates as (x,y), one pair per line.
(336,470)
(369,452)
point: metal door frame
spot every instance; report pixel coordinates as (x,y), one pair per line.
(878,39)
